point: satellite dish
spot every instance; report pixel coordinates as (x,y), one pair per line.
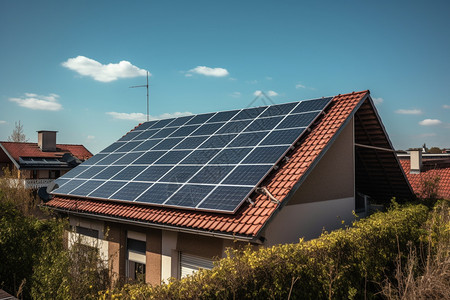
(51,187)
(42,193)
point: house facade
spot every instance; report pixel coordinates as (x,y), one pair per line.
(343,163)
(39,164)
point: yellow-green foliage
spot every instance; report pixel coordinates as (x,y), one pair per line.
(344,264)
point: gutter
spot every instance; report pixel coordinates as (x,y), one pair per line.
(157,226)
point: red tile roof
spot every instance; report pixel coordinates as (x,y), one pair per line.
(17,150)
(431,169)
(249,220)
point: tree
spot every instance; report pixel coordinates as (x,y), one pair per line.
(435,150)
(17,135)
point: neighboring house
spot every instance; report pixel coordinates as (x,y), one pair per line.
(343,162)
(425,170)
(39,164)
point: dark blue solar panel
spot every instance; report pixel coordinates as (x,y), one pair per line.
(146,125)
(226,198)
(112,147)
(164,132)
(129,173)
(207,129)
(149,158)
(173,157)
(94,159)
(184,131)
(248,139)
(60,181)
(249,113)
(129,136)
(265,155)
(147,145)
(230,156)
(189,195)
(211,174)
(209,161)
(223,116)
(128,158)
(200,156)
(167,144)
(247,175)
(109,172)
(69,186)
(91,172)
(158,193)
(179,121)
(107,189)
(311,105)
(153,173)
(300,120)
(234,127)
(282,137)
(110,159)
(180,174)
(218,141)
(277,110)
(264,124)
(191,142)
(200,119)
(87,188)
(128,146)
(131,191)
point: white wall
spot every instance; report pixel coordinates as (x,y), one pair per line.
(307,220)
(99,243)
(169,261)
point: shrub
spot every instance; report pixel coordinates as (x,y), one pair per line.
(343,264)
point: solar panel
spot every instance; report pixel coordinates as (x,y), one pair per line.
(207,162)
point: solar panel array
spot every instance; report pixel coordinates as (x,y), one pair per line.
(207,162)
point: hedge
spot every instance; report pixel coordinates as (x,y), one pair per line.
(348,263)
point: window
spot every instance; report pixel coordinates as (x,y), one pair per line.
(191,263)
(136,259)
(34,174)
(53,174)
(87,231)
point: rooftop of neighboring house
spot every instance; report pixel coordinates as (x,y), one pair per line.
(45,152)
(250,219)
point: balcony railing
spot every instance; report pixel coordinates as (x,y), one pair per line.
(32,183)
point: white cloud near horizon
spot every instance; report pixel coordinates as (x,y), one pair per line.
(38,102)
(430,122)
(103,73)
(408,111)
(2,122)
(378,100)
(425,135)
(236,94)
(300,86)
(446,106)
(140,117)
(269,93)
(90,137)
(207,71)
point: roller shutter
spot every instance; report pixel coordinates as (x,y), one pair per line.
(191,263)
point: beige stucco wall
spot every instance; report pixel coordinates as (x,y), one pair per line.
(323,200)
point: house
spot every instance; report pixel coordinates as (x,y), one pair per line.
(425,170)
(342,162)
(38,164)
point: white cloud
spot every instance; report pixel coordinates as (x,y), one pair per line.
(378,100)
(252,81)
(2,122)
(140,117)
(104,73)
(236,94)
(269,93)
(38,102)
(300,86)
(425,135)
(408,111)
(430,122)
(90,137)
(268,78)
(207,71)
(446,106)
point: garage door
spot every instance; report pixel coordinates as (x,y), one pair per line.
(191,263)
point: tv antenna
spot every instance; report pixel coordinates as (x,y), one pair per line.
(144,85)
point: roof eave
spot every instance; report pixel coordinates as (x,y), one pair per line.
(16,164)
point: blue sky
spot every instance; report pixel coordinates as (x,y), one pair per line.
(67,66)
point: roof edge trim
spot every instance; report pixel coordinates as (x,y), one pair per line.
(10,157)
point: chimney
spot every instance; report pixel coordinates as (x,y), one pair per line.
(47,140)
(416,161)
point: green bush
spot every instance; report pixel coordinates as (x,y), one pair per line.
(344,264)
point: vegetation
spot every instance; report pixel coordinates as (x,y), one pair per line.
(17,135)
(34,263)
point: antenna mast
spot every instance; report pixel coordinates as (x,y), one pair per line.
(145,85)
